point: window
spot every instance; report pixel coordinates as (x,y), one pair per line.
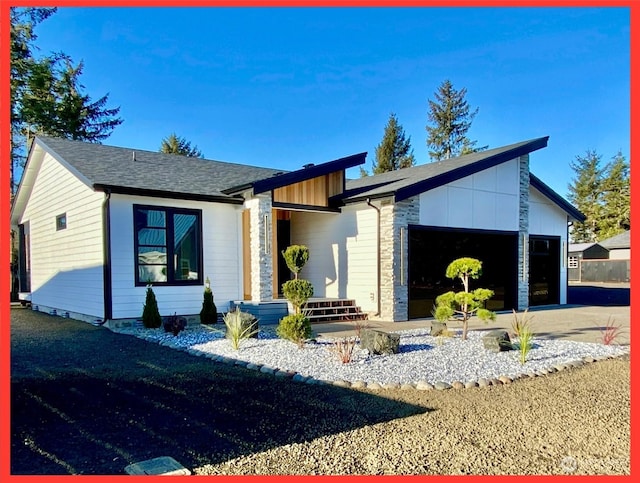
(573,262)
(61,222)
(167,245)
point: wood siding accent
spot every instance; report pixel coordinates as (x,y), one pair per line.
(246,254)
(312,192)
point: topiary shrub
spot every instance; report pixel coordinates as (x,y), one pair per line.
(461,306)
(209,312)
(150,315)
(297,291)
(295,328)
(296,257)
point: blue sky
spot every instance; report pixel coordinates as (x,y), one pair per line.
(285,87)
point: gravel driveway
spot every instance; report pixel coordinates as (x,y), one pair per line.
(85,400)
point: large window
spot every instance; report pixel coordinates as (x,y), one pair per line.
(167,245)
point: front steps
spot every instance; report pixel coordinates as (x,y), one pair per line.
(320,311)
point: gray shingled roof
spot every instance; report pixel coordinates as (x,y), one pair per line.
(391,182)
(623,240)
(109,166)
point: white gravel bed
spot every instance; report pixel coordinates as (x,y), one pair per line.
(421,358)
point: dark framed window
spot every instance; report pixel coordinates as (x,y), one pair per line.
(168,245)
(61,222)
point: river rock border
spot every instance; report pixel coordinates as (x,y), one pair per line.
(376,386)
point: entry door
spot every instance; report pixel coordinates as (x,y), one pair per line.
(544,270)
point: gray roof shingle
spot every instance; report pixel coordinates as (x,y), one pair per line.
(623,240)
(115,167)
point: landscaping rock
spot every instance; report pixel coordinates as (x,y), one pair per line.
(437,328)
(379,342)
(497,341)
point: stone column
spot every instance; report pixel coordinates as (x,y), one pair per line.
(523,234)
(394,257)
(260,241)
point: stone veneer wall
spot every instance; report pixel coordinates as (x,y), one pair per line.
(395,219)
(261,261)
(523,234)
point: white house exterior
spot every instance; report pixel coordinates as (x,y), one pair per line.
(133,217)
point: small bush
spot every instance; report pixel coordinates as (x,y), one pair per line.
(240,326)
(524,343)
(518,324)
(610,332)
(175,324)
(343,348)
(296,328)
(209,312)
(297,291)
(150,315)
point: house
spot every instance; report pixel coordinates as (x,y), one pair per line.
(98,223)
(583,251)
(619,246)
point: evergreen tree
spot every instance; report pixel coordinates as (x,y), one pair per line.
(150,315)
(585,193)
(616,198)
(209,312)
(451,116)
(394,151)
(46,95)
(174,144)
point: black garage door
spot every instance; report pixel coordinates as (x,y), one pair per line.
(431,250)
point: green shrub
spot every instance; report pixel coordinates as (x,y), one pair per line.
(525,343)
(150,315)
(296,328)
(296,257)
(209,312)
(297,291)
(175,324)
(240,326)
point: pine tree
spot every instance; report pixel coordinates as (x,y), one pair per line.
(451,116)
(394,151)
(585,193)
(174,144)
(150,315)
(616,199)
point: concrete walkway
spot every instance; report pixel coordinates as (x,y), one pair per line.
(574,322)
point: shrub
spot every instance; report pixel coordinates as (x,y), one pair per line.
(209,312)
(463,305)
(524,343)
(296,256)
(297,291)
(175,324)
(520,323)
(296,328)
(610,332)
(150,315)
(343,348)
(240,326)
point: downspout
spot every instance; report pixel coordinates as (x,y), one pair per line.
(106,251)
(378,255)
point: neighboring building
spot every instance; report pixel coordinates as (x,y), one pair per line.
(583,251)
(98,223)
(619,246)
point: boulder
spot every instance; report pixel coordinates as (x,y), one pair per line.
(437,328)
(497,341)
(379,342)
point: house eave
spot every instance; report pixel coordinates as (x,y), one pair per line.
(126,190)
(572,211)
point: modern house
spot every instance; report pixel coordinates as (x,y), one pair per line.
(98,223)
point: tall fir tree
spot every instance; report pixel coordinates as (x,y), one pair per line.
(174,144)
(616,198)
(394,151)
(450,119)
(46,94)
(602,194)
